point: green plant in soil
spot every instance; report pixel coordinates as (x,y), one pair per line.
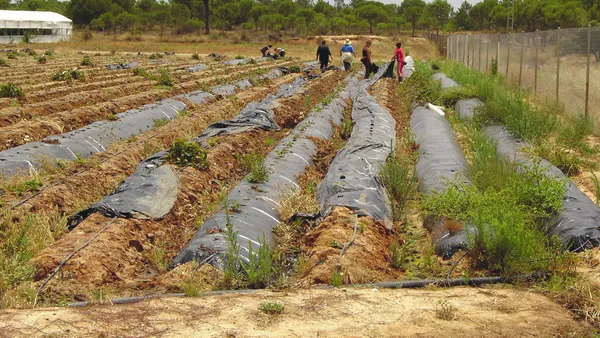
(346,129)
(596,188)
(336,278)
(3,63)
(42,59)
(254,163)
(184,153)
(165,78)
(12,55)
(271,308)
(86,61)
(195,56)
(295,69)
(112,117)
(398,177)
(10,90)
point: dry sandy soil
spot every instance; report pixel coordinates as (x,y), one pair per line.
(471,312)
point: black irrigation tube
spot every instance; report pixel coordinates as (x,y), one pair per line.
(407,284)
(577,225)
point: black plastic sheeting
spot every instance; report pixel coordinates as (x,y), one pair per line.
(141,196)
(257,214)
(578,224)
(445,80)
(196,68)
(97,136)
(466,107)
(352,179)
(440,160)
(122,66)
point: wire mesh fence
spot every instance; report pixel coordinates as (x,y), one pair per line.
(562,65)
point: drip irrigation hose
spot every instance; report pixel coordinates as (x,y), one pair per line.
(409,284)
(64,261)
(347,245)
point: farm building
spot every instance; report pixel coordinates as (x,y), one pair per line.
(40,26)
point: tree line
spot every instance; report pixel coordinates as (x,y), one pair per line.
(306,17)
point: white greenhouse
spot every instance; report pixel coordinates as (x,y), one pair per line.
(40,26)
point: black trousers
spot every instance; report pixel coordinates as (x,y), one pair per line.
(324,64)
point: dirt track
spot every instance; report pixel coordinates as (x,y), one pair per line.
(477,312)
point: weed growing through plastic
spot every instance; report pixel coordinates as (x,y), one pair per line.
(254,163)
(346,129)
(398,178)
(271,308)
(160,122)
(112,117)
(184,153)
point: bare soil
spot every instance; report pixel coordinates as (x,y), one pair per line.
(495,311)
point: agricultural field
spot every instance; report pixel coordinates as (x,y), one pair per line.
(209,192)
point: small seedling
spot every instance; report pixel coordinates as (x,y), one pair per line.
(42,59)
(234,206)
(346,129)
(112,117)
(269,142)
(79,159)
(445,310)
(335,244)
(239,57)
(271,308)
(362,227)
(336,278)
(86,61)
(195,56)
(258,171)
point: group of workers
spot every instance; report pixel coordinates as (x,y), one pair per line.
(347,52)
(276,53)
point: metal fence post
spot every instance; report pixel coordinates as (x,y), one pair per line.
(479,63)
(587,70)
(521,58)
(535,76)
(507,54)
(487,52)
(557,63)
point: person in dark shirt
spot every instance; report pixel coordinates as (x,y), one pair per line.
(366,58)
(266,51)
(323,55)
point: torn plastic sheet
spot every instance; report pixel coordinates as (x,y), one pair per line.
(440,160)
(255,114)
(466,107)
(446,81)
(122,66)
(409,67)
(97,136)
(257,215)
(224,90)
(237,62)
(578,224)
(352,179)
(138,197)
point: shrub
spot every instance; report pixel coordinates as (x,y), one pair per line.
(87,34)
(185,153)
(195,56)
(49,53)
(68,75)
(12,55)
(10,90)
(42,59)
(239,57)
(155,56)
(295,69)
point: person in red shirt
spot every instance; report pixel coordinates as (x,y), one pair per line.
(399,57)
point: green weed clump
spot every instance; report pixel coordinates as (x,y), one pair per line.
(155,56)
(68,75)
(165,78)
(295,69)
(42,59)
(86,61)
(10,90)
(195,56)
(423,89)
(271,308)
(3,63)
(12,55)
(185,154)
(398,178)
(254,163)
(507,206)
(261,269)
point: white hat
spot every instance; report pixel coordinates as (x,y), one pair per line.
(347,42)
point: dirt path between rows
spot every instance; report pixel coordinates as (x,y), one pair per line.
(474,312)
